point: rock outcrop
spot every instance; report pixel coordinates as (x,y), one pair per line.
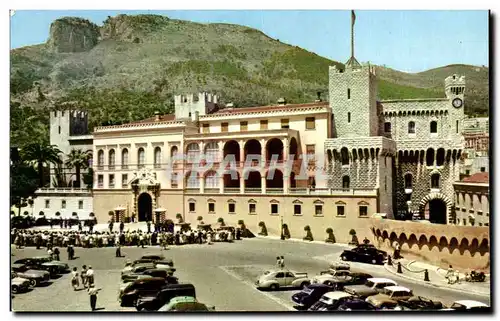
(72,34)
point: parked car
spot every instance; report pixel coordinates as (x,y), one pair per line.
(371,287)
(330,301)
(418,303)
(355,304)
(389,296)
(143,287)
(160,273)
(165,264)
(153,302)
(154,257)
(469,305)
(309,295)
(45,263)
(275,279)
(338,282)
(185,304)
(365,254)
(19,284)
(35,277)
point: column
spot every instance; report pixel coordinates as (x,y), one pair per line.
(202,185)
(242,152)
(221,184)
(220,157)
(285,149)
(286,183)
(263,183)
(263,151)
(242,183)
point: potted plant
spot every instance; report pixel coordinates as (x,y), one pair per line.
(286,231)
(309,236)
(354,240)
(220,220)
(178,216)
(200,220)
(330,237)
(26,213)
(263,228)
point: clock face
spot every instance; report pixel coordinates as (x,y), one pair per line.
(457,102)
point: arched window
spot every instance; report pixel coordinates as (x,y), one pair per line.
(100,158)
(435,180)
(111,159)
(193,180)
(211,180)
(124,158)
(212,152)
(430,157)
(157,157)
(408,181)
(193,151)
(346,182)
(173,151)
(387,127)
(411,127)
(140,157)
(440,157)
(344,154)
(434,127)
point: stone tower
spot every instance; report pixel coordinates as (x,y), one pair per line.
(455,90)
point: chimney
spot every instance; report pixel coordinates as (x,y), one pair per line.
(319,96)
(281,101)
(157,116)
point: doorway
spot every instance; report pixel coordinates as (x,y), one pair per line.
(437,211)
(145,207)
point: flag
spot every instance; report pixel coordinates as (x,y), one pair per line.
(353,17)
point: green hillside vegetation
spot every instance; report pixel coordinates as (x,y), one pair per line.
(140,62)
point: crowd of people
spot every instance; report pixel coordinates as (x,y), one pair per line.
(90,239)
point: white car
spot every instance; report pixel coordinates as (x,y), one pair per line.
(275,279)
(371,287)
(467,305)
(329,301)
(330,276)
(389,297)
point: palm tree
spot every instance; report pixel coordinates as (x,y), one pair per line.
(79,160)
(41,154)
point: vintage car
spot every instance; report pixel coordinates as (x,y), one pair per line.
(279,278)
(355,304)
(45,263)
(339,282)
(469,305)
(185,304)
(139,277)
(418,303)
(389,296)
(309,295)
(18,284)
(36,277)
(152,257)
(164,264)
(330,301)
(143,287)
(364,254)
(160,273)
(153,302)
(137,268)
(371,287)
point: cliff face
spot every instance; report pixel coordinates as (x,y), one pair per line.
(71,34)
(131,28)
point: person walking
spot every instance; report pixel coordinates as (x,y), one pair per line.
(75,283)
(93,296)
(56,254)
(50,253)
(122,226)
(90,276)
(80,229)
(83,276)
(118,252)
(148,224)
(141,240)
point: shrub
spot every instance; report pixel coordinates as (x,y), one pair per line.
(329,230)
(284,226)
(178,216)
(199,218)
(352,232)
(307,228)
(111,213)
(241,222)
(58,213)
(261,224)
(220,220)
(41,213)
(25,213)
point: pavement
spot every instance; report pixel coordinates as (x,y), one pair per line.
(414,270)
(223,275)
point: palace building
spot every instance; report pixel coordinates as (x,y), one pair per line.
(395,159)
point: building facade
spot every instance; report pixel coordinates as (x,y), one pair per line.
(472,200)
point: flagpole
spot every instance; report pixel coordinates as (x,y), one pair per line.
(353,19)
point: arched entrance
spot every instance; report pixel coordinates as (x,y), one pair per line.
(437,211)
(436,208)
(145,207)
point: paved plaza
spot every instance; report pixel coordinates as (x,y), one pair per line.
(223,274)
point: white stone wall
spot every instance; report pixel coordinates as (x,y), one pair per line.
(55,204)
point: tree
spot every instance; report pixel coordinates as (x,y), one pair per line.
(41,155)
(88,178)
(78,160)
(23,183)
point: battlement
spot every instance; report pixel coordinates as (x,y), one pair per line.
(187,105)
(454,85)
(371,69)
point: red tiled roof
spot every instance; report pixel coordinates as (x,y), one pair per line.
(482,177)
(166,117)
(270,107)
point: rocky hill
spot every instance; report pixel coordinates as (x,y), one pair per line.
(132,65)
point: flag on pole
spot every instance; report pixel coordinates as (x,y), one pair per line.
(353,17)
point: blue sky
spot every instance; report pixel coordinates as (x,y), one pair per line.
(409,41)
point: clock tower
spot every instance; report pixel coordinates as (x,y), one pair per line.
(455,90)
